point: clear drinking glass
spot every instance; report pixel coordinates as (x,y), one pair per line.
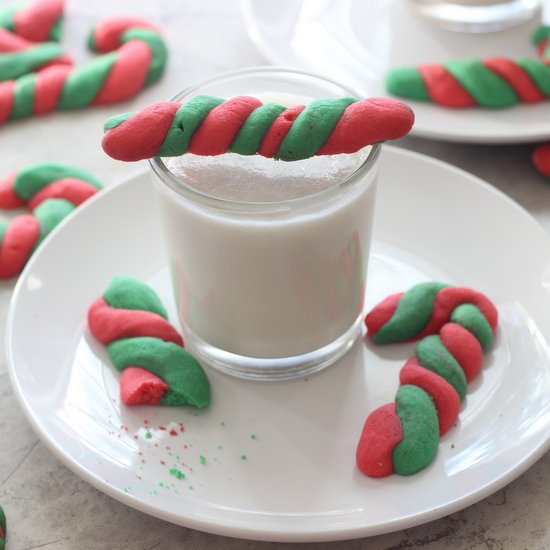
(476,16)
(268,258)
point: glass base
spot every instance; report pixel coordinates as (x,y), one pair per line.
(477,17)
(271,369)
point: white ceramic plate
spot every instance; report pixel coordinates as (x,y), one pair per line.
(357,42)
(275,461)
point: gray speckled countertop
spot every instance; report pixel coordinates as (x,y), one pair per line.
(50,507)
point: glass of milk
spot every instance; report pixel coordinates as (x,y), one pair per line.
(268,258)
(477,15)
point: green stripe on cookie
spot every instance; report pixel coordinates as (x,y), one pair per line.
(486,87)
(158,50)
(408,82)
(23,96)
(471,318)
(311,128)
(33,178)
(411,315)
(433,355)
(539,73)
(50,213)
(188,118)
(418,416)
(16,64)
(83,84)
(128,293)
(252,132)
(179,369)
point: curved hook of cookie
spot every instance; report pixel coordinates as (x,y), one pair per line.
(132,322)
(37,21)
(207,125)
(38,182)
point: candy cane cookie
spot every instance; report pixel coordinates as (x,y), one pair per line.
(455,326)
(39,182)
(133,56)
(155,368)
(207,125)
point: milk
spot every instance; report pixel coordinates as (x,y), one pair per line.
(279,279)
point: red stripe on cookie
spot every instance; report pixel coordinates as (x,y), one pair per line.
(128,73)
(108,324)
(278,130)
(141,387)
(48,87)
(446,400)
(221,125)
(142,135)
(541,158)
(10,42)
(382,313)
(516,77)
(368,121)
(8,197)
(443,88)
(464,347)
(18,243)
(72,189)
(7,90)
(381,433)
(35,21)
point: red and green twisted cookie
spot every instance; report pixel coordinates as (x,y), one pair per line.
(39,182)
(207,125)
(3,529)
(37,21)
(494,83)
(156,369)
(134,56)
(52,192)
(455,325)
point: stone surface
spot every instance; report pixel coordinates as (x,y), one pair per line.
(48,507)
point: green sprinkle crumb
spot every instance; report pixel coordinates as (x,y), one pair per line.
(243,457)
(253,436)
(127,489)
(191,488)
(153,492)
(202,459)
(222,423)
(148,435)
(177,473)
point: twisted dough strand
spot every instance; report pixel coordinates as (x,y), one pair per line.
(494,82)
(51,191)
(132,322)
(38,182)
(455,325)
(206,125)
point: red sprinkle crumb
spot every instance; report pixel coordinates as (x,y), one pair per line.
(173,433)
